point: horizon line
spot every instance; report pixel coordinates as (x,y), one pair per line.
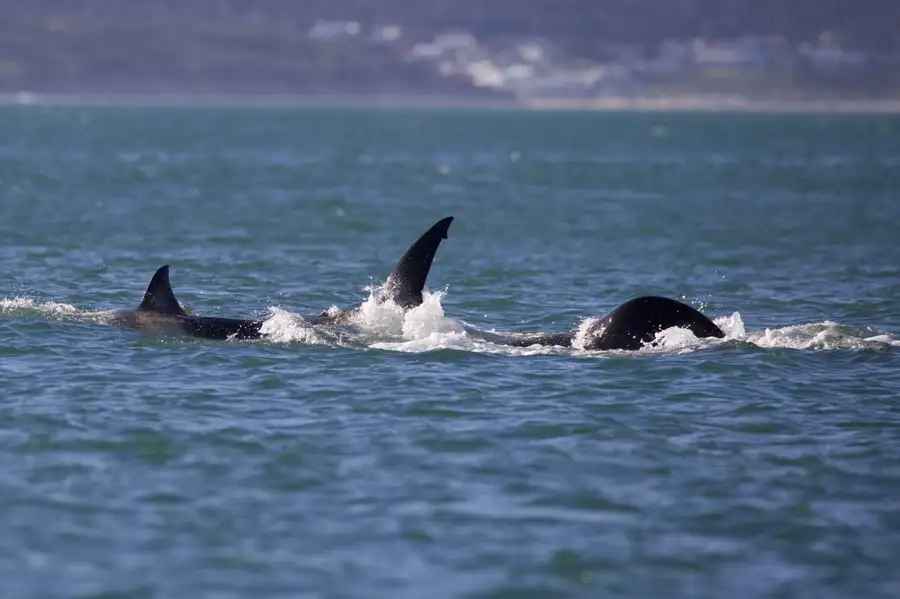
(675,103)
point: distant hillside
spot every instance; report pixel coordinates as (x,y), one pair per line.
(486,48)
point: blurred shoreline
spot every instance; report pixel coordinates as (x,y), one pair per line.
(681,103)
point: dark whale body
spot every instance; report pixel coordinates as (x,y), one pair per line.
(630,326)
(160,311)
(637,322)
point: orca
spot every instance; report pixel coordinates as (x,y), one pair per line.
(160,311)
(405,283)
(629,327)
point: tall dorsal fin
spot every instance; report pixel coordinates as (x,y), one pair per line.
(404,284)
(159,296)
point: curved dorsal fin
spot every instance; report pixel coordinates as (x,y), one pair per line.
(159,296)
(404,284)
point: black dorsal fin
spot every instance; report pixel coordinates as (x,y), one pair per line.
(159,296)
(405,283)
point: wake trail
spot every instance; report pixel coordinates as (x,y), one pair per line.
(384,325)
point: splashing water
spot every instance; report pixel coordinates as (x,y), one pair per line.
(680,340)
(423,328)
(385,325)
(825,335)
(822,335)
(25,305)
(384,318)
(380,318)
(283,326)
(581,335)
(672,339)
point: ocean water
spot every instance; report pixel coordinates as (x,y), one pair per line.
(406,455)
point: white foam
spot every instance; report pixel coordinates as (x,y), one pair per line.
(423,328)
(379,318)
(732,326)
(463,341)
(824,335)
(581,334)
(885,339)
(430,342)
(385,325)
(27,304)
(333,311)
(672,339)
(384,318)
(428,320)
(283,326)
(680,339)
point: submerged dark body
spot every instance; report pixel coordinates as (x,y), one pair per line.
(637,322)
(630,326)
(160,310)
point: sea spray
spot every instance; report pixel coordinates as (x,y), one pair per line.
(283,326)
(26,304)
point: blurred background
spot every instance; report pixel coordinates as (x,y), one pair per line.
(578,52)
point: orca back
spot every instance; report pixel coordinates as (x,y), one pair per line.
(211,327)
(637,322)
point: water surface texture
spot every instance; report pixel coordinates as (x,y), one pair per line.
(407,455)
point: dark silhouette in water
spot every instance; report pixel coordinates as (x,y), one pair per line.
(630,326)
(160,310)
(405,283)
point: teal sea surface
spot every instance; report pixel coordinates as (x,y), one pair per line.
(407,455)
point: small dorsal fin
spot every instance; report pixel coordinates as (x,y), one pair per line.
(405,283)
(159,296)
